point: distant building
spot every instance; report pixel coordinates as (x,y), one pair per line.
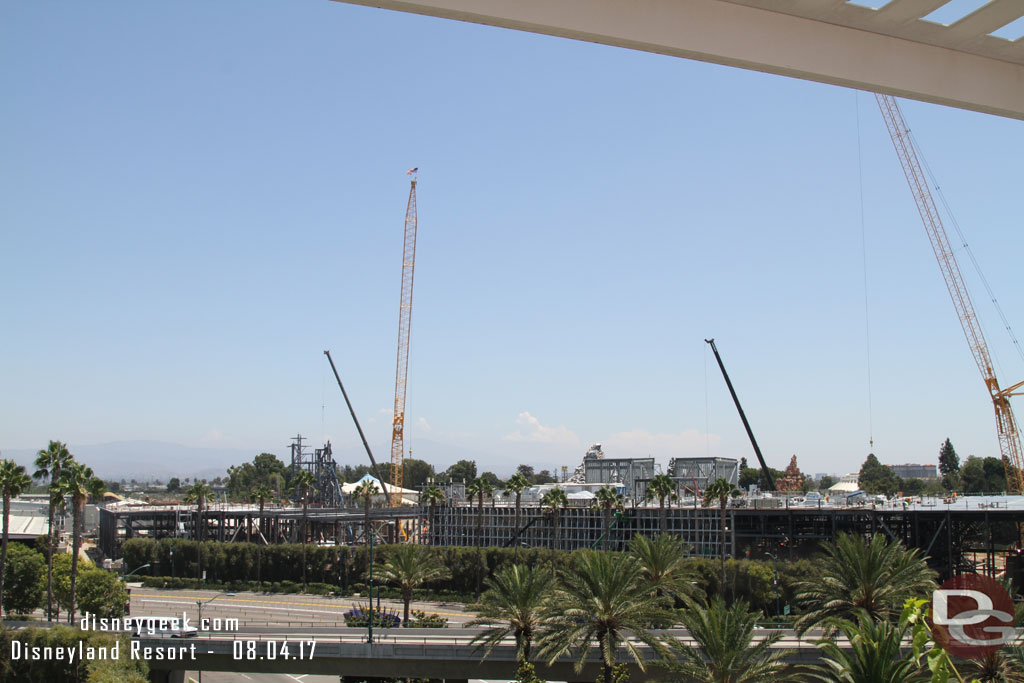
(702,471)
(909,471)
(631,473)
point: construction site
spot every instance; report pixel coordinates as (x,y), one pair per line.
(976,534)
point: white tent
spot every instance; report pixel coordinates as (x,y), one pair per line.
(409,496)
(848,484)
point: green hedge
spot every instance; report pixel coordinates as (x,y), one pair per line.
(232,566)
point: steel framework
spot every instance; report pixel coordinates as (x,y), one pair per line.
(1006,424)
(404,325)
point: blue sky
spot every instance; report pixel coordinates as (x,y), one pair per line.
(198,198)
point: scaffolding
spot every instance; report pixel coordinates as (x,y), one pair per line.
(322,466)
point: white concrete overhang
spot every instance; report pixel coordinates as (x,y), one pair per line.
(891,50)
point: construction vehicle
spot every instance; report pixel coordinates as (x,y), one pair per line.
(746,425)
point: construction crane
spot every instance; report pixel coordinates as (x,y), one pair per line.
(1006,424)
(404,323)
(746,425)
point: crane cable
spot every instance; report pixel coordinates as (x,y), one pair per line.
(965,246)
(864,262)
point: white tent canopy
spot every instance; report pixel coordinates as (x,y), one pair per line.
(848,484)
(349,489)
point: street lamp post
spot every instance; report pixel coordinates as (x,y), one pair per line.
(139,568)
(128,605)
(369,602)
(199,608)
(775,581)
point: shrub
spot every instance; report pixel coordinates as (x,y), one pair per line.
(25,579)
(101,593)
(382,618)
(424,620)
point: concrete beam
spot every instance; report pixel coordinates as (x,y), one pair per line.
(724,32)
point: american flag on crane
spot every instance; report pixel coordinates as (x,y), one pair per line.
(412,170)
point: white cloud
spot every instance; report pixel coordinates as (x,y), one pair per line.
(640,443)
(530,429)
(423,425)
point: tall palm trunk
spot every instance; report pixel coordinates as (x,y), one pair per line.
(515,537)
(305,534)
(554,536)
(433,517)
(479,546)
(407,602)
(49,557)
(607,672)
(607,527)
(661,513)
(3,546)
(480,520)
(722,539)
(260,523)
(366,523)
(199,540)
(76,543)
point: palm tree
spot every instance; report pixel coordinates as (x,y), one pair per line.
(13,481)
(260,494)
(554,499)
(725,651)
(513,606)
(875,653)
(366,490)
(75,481)
(198,493)
(720,490)
(875,577)
(608,500)
(666,573)
(409,567)
(516,484)
(662,487)
(302,483)
(1002,666)
(432,496)
(48,463)
(604,600)
(480,488)
(96,488)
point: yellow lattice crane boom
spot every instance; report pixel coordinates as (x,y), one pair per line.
(1006,424)
(402,364)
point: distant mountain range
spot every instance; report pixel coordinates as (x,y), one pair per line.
(148,460)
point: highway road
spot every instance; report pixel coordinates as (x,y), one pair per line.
(269,610)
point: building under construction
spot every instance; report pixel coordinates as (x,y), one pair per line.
(965,534)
